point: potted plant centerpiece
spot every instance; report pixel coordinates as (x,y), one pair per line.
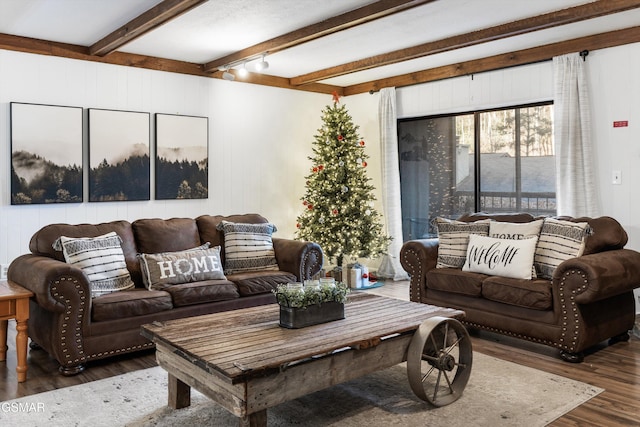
(312,303)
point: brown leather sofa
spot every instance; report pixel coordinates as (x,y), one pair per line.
(589,299)
(75,328)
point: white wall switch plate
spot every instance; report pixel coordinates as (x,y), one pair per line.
(3,271)
(616,177)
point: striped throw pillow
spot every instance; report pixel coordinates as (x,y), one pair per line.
(248,247)
(558,242)
(100,258)
(454,238)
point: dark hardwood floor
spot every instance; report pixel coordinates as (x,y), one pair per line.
(614,368)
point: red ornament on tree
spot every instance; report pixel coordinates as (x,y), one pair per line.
(364,164)
(310,206)
(304,202)
(315,169)
(320,167)
(335,211)
(298,225)
(340,137)
(362,143)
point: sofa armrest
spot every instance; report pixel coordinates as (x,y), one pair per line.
(598,276)
(55,284)
(304,259)
(417,257)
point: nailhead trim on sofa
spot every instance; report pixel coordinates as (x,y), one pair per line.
(67,333)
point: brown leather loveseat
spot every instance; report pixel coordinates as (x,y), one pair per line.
(588,299)
(75,328)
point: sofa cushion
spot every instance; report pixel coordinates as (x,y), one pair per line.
(259,282)
(165,235)
(201,292)
(606,234)
(42,241)
(208,226)
(456,281)
(516,217)
(535,294)
(100,258)
(135,302)
(248,247)
(171,268)
(501,257)
(453,239)
(558,242)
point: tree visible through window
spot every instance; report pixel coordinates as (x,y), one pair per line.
(492,161)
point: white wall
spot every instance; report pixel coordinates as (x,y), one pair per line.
(615,96)
(259,140)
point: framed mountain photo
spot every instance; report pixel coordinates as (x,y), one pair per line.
(119,165)
(46,154)
(182,157)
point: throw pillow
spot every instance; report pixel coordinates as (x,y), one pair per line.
(510,230)
(248,247)
(100,258)
(453,240)
(173,268)
(558,242)
(500,257)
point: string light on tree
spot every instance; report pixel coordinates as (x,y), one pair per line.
(339,200)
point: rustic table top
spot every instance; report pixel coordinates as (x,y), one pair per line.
(249,342)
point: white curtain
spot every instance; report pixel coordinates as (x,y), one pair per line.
(576,179)
(390,266)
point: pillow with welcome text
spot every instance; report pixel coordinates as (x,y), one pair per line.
(500,257)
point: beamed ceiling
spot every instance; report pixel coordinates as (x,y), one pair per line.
(348,46)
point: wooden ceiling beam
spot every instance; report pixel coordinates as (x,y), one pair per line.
(505,60)
(523,26)
(332,25)
(152,18)
(64,50)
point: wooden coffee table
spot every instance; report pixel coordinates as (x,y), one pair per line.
(247,363)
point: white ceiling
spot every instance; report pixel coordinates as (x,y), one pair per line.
(220,27)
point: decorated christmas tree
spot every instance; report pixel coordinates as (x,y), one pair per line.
(339,211)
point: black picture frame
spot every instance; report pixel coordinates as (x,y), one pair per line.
(46,154)
(182,157)
(119,155)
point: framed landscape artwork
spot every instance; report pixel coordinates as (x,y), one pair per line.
(182,157)
(119,165)
(46,154)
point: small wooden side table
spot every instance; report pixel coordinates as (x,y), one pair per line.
(14,304)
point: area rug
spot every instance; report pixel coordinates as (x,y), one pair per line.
(499,393)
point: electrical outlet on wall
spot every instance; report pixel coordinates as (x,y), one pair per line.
(3,271)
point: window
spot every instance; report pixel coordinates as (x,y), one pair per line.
(492,161)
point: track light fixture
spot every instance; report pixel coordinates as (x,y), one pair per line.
(262,65)
(243,72)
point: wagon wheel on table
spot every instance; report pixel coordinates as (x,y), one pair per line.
(439,360)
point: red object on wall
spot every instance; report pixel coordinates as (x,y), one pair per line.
(621,124)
